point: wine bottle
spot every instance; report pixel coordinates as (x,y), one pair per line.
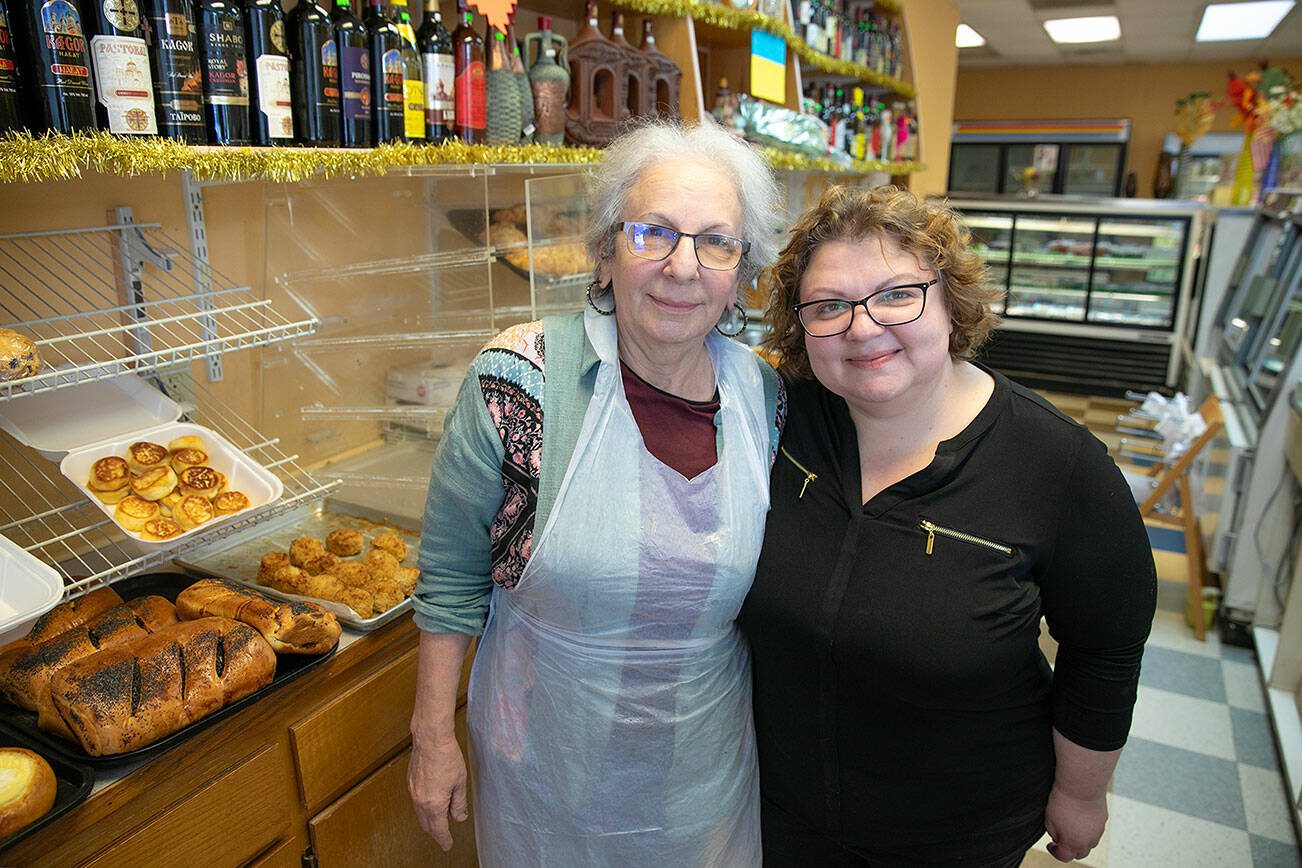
(313,75)
(11,106)
(469,85)
(172,37)
(387,104)
(413,86)
(435,45)
(55,52)
(124,86)
(224,61)
(354,77)
(527,117)
(502,97)
(272,104)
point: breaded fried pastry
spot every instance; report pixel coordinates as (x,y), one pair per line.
(344,542)
(391,543)
(304,549)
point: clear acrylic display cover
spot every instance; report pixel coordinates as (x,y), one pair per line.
(57,422)
(243,474)
(28,589)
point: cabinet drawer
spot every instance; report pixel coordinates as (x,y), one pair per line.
(226,823)
(375,824)
(286,854)
(353,733)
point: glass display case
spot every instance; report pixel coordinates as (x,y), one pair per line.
(1115,276)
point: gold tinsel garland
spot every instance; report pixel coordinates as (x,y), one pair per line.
(736,19)
(54,157)
(800,163)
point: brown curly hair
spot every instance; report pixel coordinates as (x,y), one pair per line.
(929,230)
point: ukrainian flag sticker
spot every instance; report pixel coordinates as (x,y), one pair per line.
(768,67)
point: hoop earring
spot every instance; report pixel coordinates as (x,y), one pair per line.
(745,320)
(592,304)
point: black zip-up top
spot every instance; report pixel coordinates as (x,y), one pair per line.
(903,708)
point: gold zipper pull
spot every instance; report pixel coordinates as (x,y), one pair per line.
(931,535)
(809,477)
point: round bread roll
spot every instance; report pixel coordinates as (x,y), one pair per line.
(188,441)
(18,356)
(159,529)
(304,549)
(391,543)
(109,474)
(201,480)
(27,788)
(229,502)
(344,542)
(143,455)
(192,511)
(132,512)
(188,457)
(154,483)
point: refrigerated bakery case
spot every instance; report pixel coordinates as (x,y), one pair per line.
(1096,291)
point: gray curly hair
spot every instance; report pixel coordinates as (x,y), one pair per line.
(652,142)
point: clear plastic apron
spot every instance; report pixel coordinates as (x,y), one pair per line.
(610,701)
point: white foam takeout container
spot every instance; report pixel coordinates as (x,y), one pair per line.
(28,589)
(243,473)
(57,422)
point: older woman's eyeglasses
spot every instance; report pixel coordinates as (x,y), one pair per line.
(714,251)
(893,306)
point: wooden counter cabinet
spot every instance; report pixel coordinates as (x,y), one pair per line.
(317,769)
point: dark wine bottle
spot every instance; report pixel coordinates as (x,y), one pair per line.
(124,86)
(354,77)
(224,61)
(271,110)
(54,50)
(171,35)
(11,104)
(470,84)
(314,75)
(440,71)
(386,74)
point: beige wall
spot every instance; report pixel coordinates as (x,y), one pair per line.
(933,61)
(1145,93)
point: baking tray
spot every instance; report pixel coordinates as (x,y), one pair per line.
(73,783)
(168,585)
(237,557)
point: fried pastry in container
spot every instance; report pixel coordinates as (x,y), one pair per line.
(187,441)
(111,473)
(112,497)
(132,512)
(143,455)
(187,457)
(159,529)
(230,502)
(169,502)
(154,483)
(304,549)
(344,541)
(391,543)
(193,511)
(201,480)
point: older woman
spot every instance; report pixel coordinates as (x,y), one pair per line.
(926,512)
(599,497)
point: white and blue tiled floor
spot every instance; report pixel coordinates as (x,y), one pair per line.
(1199,781)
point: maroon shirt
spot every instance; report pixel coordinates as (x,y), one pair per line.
(678,432)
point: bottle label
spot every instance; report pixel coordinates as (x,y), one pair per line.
(472,97)
(356,77)
(440,73)
(413,116)
(8,64)
(228,72)
(392,61)
(122,14)
(66,48)
(177,80)
(329,72)
(273,95)
(123,83)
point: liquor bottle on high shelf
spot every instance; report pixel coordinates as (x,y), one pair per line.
(387,104)
(435,45)
(224,61)
(272,109)
(52,51)
(124,86)
(527,118)
(354,77)
(413,85)
(503,97)
(470,84)
(172,37)
(11,105)
(313,75)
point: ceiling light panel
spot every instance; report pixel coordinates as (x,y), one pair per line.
(1223,22)
(1100,28)
(966,37)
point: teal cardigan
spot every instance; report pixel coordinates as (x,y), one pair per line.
(466,489)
